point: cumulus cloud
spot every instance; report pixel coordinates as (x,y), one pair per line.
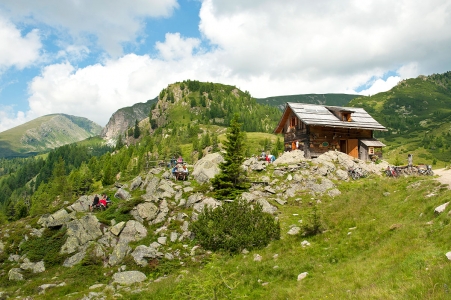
(111,22)
(17,50)
(267,47)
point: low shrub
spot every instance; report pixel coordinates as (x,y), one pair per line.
(235,226)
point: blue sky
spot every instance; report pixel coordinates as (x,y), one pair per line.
(90,58)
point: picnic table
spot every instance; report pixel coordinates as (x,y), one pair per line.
(180,175)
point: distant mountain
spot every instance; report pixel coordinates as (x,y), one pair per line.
(125,118)
(45,133)
(324,99)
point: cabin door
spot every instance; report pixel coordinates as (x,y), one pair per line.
(353,149)
(343,147)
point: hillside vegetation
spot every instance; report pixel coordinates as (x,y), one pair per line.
(323,99)
(417,114)
(45,133)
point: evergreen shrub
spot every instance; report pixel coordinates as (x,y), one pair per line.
(235,226)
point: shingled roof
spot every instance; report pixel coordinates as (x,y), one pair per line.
(322,115)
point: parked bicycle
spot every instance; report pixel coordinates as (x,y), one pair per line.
(356,173)
(426,171)
(392,171)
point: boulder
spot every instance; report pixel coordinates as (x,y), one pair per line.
(56,219)
(142,252)
(294,230)
(145,212)
(268,208)
(80,232)
(133,231)
(136,183)
(129,277)
(119,252)
(37,267)
(441,208)
(212,203)
(15,274)
(117,228)
(122,194)
(192,199)
(290,157)
(163,212)
(82,204)
(207,167)
(74,259)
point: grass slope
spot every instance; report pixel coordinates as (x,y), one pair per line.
(383,241)
(417,114)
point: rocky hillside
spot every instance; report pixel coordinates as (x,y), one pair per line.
(125,118)
(45,133)
(148,224)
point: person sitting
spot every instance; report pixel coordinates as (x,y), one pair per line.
(103,202)
(173,161)
(183,175)
(174,172)
(180,160)
(263,155)
(95,203)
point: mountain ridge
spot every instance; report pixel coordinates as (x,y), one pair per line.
(45,133)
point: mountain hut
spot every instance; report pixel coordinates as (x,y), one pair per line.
(316,129)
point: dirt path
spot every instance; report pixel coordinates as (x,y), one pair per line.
(444,176)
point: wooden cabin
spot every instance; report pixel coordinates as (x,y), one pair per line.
(316,129)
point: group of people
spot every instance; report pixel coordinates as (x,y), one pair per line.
(180,172)
(268,157)
(99,202)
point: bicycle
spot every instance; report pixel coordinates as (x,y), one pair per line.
(392,171)
(426,171)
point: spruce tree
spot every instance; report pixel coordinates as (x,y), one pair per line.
(230,182)
(136,131)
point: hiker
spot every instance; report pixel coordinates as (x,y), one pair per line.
(173,161)
(103,201)
(185,172)
(174,171)
(180,160)
(94,203)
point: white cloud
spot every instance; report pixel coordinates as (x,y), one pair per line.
(266,47)
(112,22)
(17,50)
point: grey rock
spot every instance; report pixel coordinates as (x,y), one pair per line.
(152,185)
(145,212)
(74,259)
(210,202)
(56,219)
(290,157)
(294,230)
(142,252)
(34,232)
(268,208)
(278,173)
(14,257)
(194,199)
(342,175)
(15,274)
(37,267)
(119,253)
(249,197)
(185,226)
(334,192)
(173,236)
(42,288)
(129,277)
(133,231)
(298,177)
(163,212)
(302,276)
(207,167)
(122,194)
(117,229)
(441,208)
(2,247)
(169,256)
(82,204)
(136,183)
(80,232)
(162,240)
(280,201)
(188,189)
(269,190)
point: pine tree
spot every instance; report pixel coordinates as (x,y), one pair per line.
(136,131)
(230,182)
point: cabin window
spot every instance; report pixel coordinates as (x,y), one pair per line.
(371,150)
(346,117)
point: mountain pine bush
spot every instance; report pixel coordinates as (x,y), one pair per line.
(235,226)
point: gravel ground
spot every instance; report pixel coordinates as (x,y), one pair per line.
(444,176)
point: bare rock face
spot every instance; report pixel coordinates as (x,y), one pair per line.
(125,118)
